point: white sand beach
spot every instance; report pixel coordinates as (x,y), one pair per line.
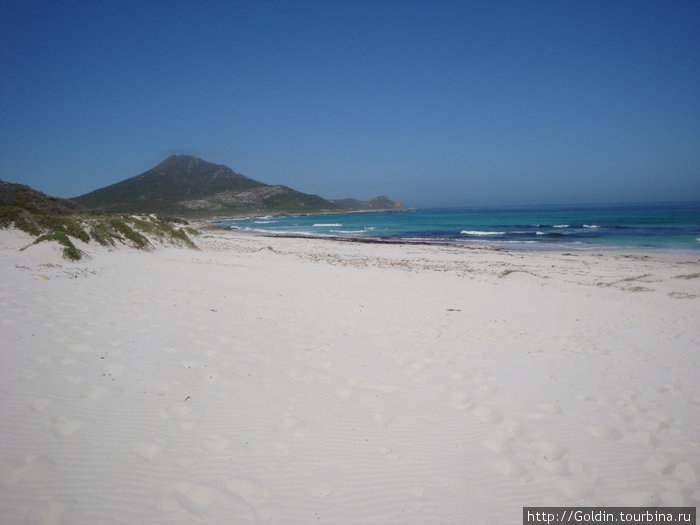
(290,381)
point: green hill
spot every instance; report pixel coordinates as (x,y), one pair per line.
(187,186)
(21,196)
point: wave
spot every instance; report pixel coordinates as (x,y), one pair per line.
(591,226)
(479,233)
(265,222)
(553,234)
(327,224)
(561,226)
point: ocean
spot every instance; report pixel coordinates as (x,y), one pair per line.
(668,227)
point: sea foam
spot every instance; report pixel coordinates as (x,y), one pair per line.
(480,233)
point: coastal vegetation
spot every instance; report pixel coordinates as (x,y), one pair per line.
(59,220)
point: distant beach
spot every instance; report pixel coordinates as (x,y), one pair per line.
(285,380)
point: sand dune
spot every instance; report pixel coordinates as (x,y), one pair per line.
(270,380)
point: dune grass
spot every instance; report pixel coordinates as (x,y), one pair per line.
(107,230)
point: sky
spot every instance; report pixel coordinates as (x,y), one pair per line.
(435,103)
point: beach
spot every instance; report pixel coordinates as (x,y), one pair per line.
(291,380)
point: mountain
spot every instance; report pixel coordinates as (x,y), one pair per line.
(187,186)
(382,203)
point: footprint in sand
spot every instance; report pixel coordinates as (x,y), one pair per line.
(659,422)
(296,373)
(460,401)
(503,448)
(191,364)
(287,422)
(15,469)
(549,450)
(642,498)
(550,408)
(659,464)
(115,370)
(688,472)
(40,404)
(557,467)
(320,489)
(389,455)
(45,511)
(95,392)
(66,361)
(28,375)
(196,499)
(65,427)
(160,386)
(215,444)
(383,418)
(347,395)
(249,489)
(513,469)
(675,497)
(641,437)
(78,348)
(605,433)
(487,391)
(574,488)
(146,450)
(390,389)
(183,414)
(355,380)
(419,366)
(75,379)
(487,414)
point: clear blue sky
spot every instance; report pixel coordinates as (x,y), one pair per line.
(432,102)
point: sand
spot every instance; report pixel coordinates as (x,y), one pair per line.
(272,380)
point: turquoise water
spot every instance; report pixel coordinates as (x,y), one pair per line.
(673,227)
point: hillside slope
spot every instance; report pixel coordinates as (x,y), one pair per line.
(21,196)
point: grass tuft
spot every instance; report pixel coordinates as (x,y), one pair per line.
(70,252)
(122,227)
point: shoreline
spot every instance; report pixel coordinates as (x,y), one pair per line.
(490,245)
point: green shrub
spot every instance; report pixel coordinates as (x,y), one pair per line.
(20,218)
(68,225)
(123,228)
(69,250)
